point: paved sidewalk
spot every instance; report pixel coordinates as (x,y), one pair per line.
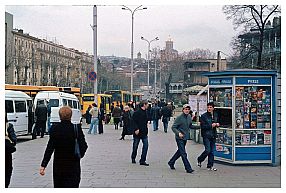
(108,164)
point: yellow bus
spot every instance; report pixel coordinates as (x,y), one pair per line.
(88,99)
(30,89)
(119,96)
(137,97)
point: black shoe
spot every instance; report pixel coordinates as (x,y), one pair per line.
(121,138)
(199,164)
(133,161)
(171,166)
(190,171)
(144,164)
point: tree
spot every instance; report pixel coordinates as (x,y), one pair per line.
(198,53)
(252,17)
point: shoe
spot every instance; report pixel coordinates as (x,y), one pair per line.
(199,164)
(212,169)
(171,166)
(144,164)
(133,161)
(190,171)
(121,138)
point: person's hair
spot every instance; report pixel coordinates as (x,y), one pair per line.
(126,107)
(65,113)
(142,103)
(210,104)
(93,104)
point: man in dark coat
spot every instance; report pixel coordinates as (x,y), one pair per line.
(155,116)
(166,113)
(139,121)
(41,114)
(66,167)
(209,122)
(100,118)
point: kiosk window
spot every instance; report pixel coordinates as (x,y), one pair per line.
(20,106)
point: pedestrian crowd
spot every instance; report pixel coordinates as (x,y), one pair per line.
(67,141)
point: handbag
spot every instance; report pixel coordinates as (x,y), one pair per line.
(80,145)
(9,147)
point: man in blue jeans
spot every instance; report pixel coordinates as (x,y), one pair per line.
(209,122)
(181,128)
(139,123)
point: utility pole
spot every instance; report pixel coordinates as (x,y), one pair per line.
(94,27)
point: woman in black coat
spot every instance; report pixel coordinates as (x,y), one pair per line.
(66,167)
(10,143)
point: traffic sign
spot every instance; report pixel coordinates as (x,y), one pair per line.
(92,76)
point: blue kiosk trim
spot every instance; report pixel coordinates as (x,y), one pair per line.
(229,150)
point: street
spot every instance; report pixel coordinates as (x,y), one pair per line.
(107,163)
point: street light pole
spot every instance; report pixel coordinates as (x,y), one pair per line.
(132,44)
(148,58)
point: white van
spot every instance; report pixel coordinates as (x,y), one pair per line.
(16,106)
(57,100)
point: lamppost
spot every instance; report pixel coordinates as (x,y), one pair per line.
(132,46)
(148,55)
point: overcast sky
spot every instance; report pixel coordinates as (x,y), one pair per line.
(189,26)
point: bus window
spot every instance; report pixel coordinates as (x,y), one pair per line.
(78,106)
(54,102)
(9,106)
(70,103)
(65,103)
(20,106)
(74,104)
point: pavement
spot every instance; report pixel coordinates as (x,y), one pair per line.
(107,164)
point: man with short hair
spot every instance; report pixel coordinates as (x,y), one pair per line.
(209,122)
(181,128)
(140,120)
(41,113)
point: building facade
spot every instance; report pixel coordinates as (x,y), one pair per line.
(193,70)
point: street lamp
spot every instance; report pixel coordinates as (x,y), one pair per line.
(132,46)
(149,42)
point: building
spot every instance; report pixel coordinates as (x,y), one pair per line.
(169,53)
(271,54)
(193,70)
(9,68)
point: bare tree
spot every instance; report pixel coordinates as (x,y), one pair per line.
(198,53)
(252,17)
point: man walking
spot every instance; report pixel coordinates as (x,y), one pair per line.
(166,114)
(140,121)
(155,116)
(209,122)
(181,128)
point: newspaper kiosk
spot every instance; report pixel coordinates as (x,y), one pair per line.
(246,103)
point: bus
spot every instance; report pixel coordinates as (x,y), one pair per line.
(30,89)
(88,99)
(119,96)
(137,97)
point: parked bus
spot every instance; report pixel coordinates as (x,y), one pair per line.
(88,99)
(30,90)
(119,96)
(137,97)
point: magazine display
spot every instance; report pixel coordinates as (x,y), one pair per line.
(221,97)
(254,137)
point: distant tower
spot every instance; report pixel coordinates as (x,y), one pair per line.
(139,55)
(169,44)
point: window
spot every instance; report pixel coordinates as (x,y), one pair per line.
(20,106)
(70,103)
(74,104)
(54,102)
(65,102)
(9,106)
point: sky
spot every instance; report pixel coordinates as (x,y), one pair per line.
(189,26)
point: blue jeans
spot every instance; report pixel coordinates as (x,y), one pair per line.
(181,152)
(93,126)
(155,124)
(209,144)
(136,141)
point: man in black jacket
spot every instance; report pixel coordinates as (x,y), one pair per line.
(140,120)
(209,122)
(41,114)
